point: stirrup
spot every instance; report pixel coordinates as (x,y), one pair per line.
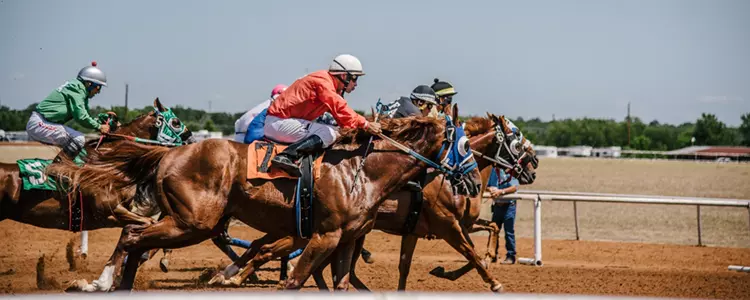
(287,165)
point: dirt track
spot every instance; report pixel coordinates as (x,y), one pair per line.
(577,267)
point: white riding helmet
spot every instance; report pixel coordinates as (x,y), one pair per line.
(346,64)
(93,74)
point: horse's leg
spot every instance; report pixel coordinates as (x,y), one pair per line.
(317,250)
(234,268)
(125,217)
(164,234)
(107,278)
(493,233)
(164,261)
(356,282)
(408,244)
(268,251)
(341,265)
(456,238)
(318,277)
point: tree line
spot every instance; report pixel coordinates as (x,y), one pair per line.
(707,129)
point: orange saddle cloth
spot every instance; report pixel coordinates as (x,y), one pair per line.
(259,156)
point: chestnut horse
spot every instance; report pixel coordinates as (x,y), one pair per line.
(200,186)
(453,219)
(50,209)
(442,215)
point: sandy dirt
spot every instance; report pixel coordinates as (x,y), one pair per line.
(570,267)
(627,249)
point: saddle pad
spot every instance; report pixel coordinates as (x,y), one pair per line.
(33,176)
(259,156)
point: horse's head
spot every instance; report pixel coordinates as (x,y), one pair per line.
(455,155)
(161,125)
(512,151)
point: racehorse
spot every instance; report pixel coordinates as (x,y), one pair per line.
(52,208)
(441,215)
(200,186)
(94,209)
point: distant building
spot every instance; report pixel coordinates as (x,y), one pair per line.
(545,151)
(613,152)
(205,134)
(577,151)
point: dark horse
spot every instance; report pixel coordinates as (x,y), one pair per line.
(98,208)
(200,186)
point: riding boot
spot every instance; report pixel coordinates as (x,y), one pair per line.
(73,149)
(287,159)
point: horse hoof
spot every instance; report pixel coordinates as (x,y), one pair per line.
(235,281)
(497,288)
(164,265)
(218,278)
(77,286)
(439,272)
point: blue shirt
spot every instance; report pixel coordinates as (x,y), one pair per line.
(494,180)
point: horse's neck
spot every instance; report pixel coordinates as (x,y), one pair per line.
(391,170)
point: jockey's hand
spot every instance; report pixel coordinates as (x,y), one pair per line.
(104,129)
(373,128)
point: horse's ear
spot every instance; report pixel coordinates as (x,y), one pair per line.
(454,112)
(504,125)
(158,105)
(490,116)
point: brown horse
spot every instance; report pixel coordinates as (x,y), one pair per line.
(439,216)
(452,219)
(199,186)
(50,209)
(442,215)
(98,209)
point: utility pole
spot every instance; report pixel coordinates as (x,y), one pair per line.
(126,101)
(628,124)
(209,106)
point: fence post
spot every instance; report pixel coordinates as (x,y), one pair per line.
(84,243)
(700,240)
(575,212)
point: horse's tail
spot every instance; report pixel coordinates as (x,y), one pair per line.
(126,165)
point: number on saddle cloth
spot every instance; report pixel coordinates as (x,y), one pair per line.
(33,176)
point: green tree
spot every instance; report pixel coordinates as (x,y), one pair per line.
(641,142)
(209,125)
(744,129)
(710,131)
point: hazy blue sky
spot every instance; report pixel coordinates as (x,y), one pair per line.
(671,59)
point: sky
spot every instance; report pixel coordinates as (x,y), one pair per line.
(672,60)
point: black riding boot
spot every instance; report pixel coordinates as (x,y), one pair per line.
(72,150)
(287,159)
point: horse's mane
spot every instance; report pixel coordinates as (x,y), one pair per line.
(478,125)
(419,132)
(108,172)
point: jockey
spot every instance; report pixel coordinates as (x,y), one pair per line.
(290,117)
(241,125)
(444,92)
(69,101)
(420,103)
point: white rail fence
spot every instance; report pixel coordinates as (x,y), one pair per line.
(539,196)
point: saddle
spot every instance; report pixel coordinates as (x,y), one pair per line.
(259,156)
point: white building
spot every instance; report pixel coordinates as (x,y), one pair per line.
(613,152)
(205,134)
(579,151)
(545,151)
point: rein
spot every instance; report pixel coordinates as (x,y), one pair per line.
(144,141)
(418,156)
